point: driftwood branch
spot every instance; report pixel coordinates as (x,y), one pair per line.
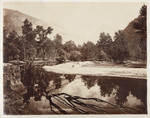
(80,104)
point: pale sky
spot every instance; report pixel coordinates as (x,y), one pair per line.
(81,22)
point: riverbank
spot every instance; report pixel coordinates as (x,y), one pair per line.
(91,68)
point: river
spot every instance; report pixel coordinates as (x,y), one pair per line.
(127,93)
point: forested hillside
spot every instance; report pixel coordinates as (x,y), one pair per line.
(136,36)
(27,38)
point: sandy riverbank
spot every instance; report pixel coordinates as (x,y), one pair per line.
(86,68)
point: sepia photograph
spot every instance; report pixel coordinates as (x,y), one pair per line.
(74,58)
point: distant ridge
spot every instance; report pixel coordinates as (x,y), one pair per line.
(13,20)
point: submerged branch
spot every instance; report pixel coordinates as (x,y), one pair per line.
(56,106)
(77,103)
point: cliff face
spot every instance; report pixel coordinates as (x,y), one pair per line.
(133,40)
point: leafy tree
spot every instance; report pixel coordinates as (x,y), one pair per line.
(70,46)
(79,48)
(104,43)
(49,49)
(42,41)
(58,41)
(119,50)
(28,32)
(75,56)
(60,52)
(29,40)
(11,50)
(89,51)
(61,56)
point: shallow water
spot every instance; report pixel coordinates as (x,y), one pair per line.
(124,92)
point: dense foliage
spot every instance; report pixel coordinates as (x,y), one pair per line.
(141,29)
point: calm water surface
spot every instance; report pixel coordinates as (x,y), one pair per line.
(126,92)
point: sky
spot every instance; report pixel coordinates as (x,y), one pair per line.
(81,21)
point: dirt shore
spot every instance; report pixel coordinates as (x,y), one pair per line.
(88,68)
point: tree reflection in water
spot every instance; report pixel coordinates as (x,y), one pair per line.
(70,78)
(57,80)
(123,87)
(38,83)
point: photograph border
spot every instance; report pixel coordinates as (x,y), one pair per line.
(76,116)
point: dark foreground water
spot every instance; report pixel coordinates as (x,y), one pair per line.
(129,95)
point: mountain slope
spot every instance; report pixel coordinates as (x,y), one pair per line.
(133,40)
(13,20)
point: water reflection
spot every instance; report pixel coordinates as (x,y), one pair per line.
(121,91)
(57,79)
(70,78)
(126,89)
(57,82)
(123,87)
